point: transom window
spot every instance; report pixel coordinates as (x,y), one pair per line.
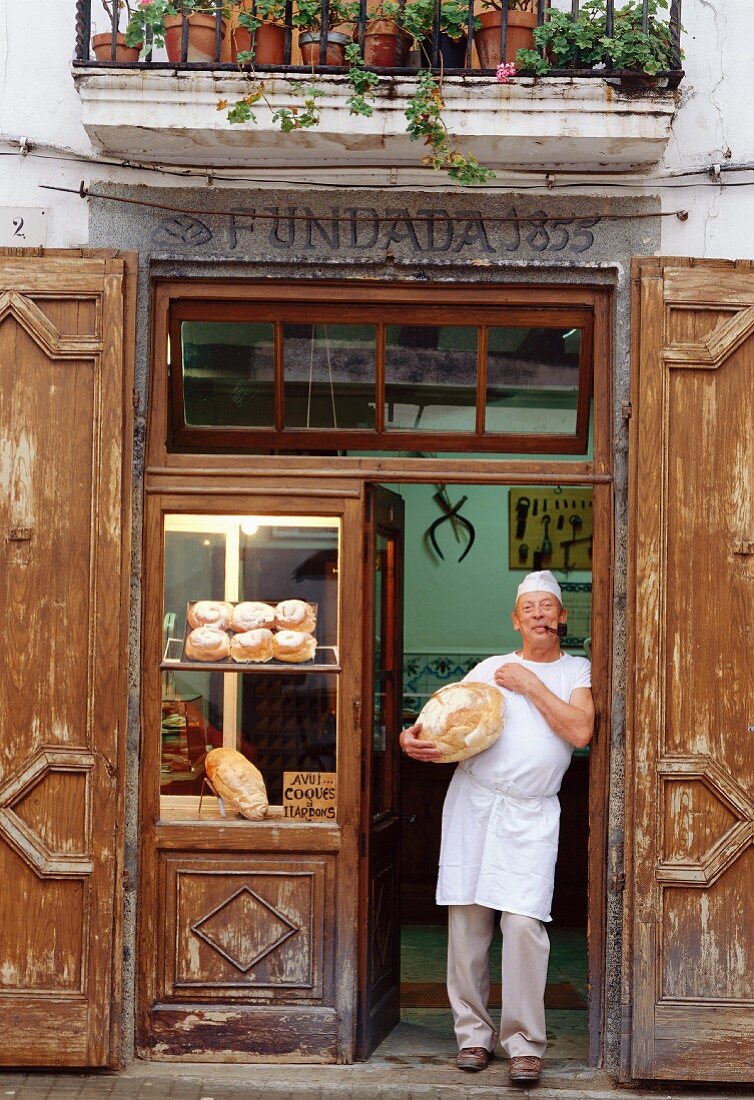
(375,373)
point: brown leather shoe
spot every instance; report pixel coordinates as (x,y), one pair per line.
(474,1058)
(526,1069)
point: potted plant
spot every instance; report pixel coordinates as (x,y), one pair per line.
(521,19)
(162,21)
(307,19)
(583,42)
(386,42)
(418,20)
(102,44)
(259,36)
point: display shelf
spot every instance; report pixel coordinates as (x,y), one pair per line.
(185,807)
(326,659)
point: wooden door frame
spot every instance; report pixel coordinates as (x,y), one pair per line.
(195,476)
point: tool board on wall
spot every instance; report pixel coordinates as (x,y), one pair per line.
(550,528)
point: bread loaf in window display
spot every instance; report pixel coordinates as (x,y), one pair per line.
(462,720)
(237,782)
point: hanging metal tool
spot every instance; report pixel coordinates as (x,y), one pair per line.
(546,546)
(452,515)
(523,504)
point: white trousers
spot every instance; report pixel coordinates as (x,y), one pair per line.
(526,951)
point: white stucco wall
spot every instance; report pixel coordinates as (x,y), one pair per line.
(714,124)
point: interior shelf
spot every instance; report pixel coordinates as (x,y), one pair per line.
(326,659)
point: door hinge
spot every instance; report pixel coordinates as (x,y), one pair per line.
(618,881)
(626,410)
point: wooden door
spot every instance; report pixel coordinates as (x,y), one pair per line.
(379,986)
(65,430)
(691,711)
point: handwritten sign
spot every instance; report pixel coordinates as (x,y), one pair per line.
(309,796)
(22,227)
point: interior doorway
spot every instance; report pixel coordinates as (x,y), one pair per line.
(463,560)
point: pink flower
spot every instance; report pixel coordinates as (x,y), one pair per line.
(505,70)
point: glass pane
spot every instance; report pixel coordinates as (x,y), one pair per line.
(532,380)
(281,723)
(329,376)
(228,373)
(430,378)
(271,704)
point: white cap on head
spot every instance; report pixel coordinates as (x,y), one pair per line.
(543,581)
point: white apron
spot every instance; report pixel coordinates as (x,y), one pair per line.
(501,816)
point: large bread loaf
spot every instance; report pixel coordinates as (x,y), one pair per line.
(238,782)
(462,719)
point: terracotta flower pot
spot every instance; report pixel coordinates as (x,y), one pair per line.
(102,46)
(519,37)
(386,45)
(201,37)
(308,42)
(267,42)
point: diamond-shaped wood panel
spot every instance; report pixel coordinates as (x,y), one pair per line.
(711,821)
(56,846)
(245,927)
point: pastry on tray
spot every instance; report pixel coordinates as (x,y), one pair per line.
(293,646)
(295,615)
(252,645)
(252,615)
(206,643)
(215,613)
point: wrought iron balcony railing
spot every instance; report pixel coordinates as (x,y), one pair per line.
(430,52)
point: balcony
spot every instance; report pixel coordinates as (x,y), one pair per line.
(585,115)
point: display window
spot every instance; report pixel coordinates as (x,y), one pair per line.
(385,372)
(249,663)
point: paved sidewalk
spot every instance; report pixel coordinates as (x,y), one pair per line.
(207,1082)
(416,1062)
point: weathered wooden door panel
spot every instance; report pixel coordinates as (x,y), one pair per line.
(64,462)
(379,981)
(692,638)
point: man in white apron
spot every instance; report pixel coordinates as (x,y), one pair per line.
(500,834)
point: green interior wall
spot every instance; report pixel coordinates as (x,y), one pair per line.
(465,607)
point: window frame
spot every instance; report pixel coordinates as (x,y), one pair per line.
(380,305)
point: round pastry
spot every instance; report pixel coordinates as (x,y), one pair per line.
(295,615)
(237,782)
(252,615)
(293,646)
(252,645)
(210,613)
(462,719)
(206,643)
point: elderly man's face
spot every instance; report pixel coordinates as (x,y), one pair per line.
(535,612)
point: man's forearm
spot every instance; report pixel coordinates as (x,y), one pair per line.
(575,724)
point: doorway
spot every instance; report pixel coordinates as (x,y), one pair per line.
(463,561)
